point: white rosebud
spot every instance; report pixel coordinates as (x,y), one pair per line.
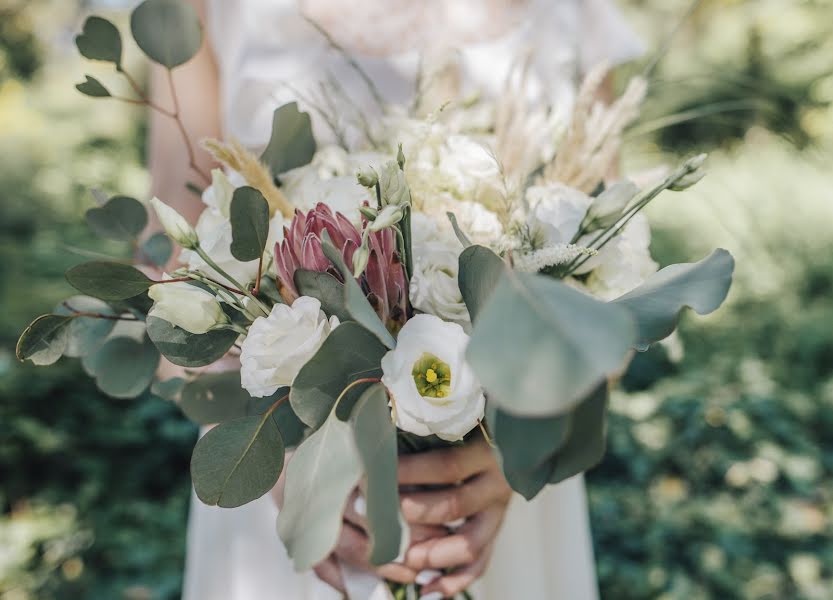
(556,211)
(278,346)
(187,306)
(434,288)
(175,225)
(433,390)
(387,217)
(607,207)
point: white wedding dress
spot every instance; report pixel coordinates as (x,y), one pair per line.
(267,55)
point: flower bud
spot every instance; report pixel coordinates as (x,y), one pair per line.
(187,306)
(695,162)
(369,212)
(387,217)
(686,181)
(607,207)
(175,225)
(400,157)
(395,189)
(360,259)
(368,177)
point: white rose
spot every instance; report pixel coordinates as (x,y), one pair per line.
(434,288)
(187,306)
(468,163)
(622,264)
(481,225)
(175,225)
(433,390)
(278,346)
(556,212)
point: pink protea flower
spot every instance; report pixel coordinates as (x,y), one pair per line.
(383,280)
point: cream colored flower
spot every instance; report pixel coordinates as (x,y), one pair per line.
(175,225)
(187,306)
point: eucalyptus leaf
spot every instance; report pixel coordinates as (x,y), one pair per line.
(86,334)
(108,280)
(249,215)
(124,367)
(121,218)
(478,275)
(188,349)
(375,437)
(167,31)
(169,389)
(158,249)
(44,340)
(238,461)
(656,304)
(292,143)
(539,346)
(585,446)
(355,302)
(100,40)
(320,477)
(93,88)
(464,239)
(327,289)
(348,354)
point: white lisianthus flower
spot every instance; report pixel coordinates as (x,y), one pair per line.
(556,212)
(278,346)
(433,390)
(434,288)
(468,164)
(214,231)
(175,225)
(187,306)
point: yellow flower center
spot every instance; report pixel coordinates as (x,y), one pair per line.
(432,377)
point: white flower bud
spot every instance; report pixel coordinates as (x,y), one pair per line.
(400,157)
(368,177)
(175,225)
(369,212)
(686,181)
(608,206)
(395,189)
(187,306)
(387,217)
(360,258)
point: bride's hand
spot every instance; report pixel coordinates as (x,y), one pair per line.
(477,494)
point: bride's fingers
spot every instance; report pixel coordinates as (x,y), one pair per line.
(461,548)
(353,548)
(452,504)
(454,583)
(446,466)
(355,512)
(329,572)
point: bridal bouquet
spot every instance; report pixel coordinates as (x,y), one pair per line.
(464,271)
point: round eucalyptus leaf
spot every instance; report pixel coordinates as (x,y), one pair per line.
(123,367)
(249,216)
(86,334)
(292,143)
(167,31)
(45,340)
(99,40)
(188,349)
(108,280)
(215,398)
(93,87)
(121,218)
(158,249)
(238,461)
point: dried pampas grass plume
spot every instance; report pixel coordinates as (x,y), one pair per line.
(233,155)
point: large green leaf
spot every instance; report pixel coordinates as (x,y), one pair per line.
(656,304)
(121,218)
(249,215)
(527,446)
(238,461)
(167,31)
(539,346)
(187,349)
(585,446)
(375,437)
(86,334)
(124,367)
(93,88)
(292,143)
(479,274)
(323,471)
(44,340)
(108,280)
(215,398)
(348,354)
(355,302)
(327,289)
(99,40)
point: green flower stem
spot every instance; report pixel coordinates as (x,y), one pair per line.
(202,254)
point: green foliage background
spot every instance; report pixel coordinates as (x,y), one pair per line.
(717,479)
